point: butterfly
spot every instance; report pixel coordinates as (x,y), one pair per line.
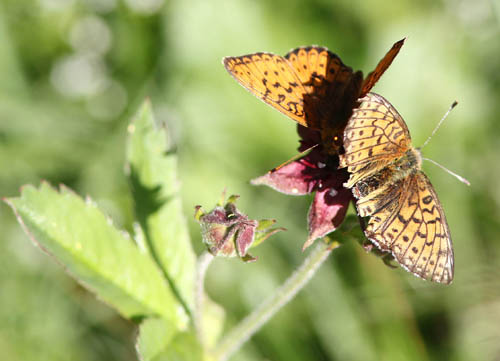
(310,84)
(406,217)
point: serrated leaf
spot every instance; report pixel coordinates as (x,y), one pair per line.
(98,255)
(152,167)
(159,342)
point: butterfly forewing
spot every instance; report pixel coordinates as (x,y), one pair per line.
(316,67)
(295,84)
(329,85)
(373,137)
(382,66)
(406,217)
(310,84)
(271,78)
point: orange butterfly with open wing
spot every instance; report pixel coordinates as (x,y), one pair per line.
(311,85)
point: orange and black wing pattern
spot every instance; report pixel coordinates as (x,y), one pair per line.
(406,217)
(374,136)
(311,85)
(413,227)
(296,84)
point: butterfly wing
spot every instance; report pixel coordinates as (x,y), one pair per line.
(375,135)
(297,84)
(317,68)
(382,66)
(410,223)
(406,217)
(333,87)
(271,78)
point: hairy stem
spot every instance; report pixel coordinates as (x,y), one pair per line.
(201,269)
(253,322)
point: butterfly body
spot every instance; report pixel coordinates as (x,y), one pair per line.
(406,217)
(400,168)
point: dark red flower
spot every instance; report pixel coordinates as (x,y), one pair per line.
(315,172)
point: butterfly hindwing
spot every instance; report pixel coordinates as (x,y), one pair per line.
(414,228)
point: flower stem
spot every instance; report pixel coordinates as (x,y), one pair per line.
(201,269)
(253,322)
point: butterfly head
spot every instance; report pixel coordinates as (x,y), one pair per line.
(332,141)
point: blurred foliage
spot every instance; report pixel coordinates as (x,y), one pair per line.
(73,71)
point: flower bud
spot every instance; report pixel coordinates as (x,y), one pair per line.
(228,232)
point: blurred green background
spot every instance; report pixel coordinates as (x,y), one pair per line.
(74,71)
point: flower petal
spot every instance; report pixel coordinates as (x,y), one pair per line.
(290,179)
(327,212)
(245,237)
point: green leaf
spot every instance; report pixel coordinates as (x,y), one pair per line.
(212,318)
(154,337)
(152,168)
(159,342)
(93,251)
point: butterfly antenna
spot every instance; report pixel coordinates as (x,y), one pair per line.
(460,178)
(439,124)
(301,154)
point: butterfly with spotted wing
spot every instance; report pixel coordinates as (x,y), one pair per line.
(310,84)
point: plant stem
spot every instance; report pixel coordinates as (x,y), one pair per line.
(253,322)
(201,269)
